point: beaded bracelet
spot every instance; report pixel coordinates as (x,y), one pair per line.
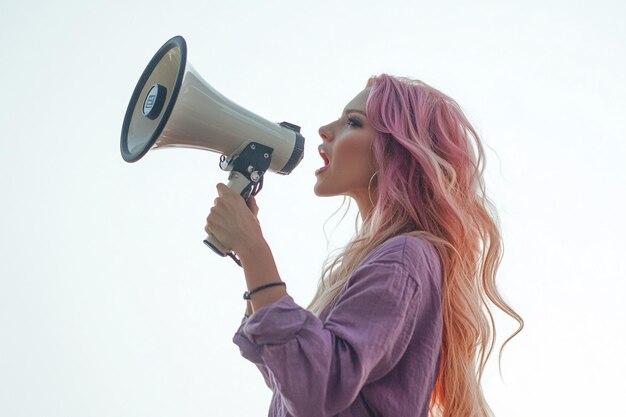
(247,294)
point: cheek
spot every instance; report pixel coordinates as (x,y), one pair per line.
(356,154)
(352,160)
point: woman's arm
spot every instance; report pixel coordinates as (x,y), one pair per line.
(259,269)
(233,221)
(259,265)
(320,367)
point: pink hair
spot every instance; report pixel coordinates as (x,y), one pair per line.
(430,184)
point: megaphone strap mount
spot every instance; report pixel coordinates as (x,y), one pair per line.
(231,254)
(234,258)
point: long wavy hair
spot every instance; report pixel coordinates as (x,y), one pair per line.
(429,184)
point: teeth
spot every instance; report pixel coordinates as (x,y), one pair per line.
(325,158)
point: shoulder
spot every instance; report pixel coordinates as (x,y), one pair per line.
(405,250)
(416,256)
(397,270)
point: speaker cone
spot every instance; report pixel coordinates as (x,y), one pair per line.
(153,99)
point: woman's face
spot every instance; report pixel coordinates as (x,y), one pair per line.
(347,152)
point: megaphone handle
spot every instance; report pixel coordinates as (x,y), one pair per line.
(238,183)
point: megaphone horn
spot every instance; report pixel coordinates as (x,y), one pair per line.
(172,106)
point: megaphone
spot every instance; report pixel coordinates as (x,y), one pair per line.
(172,106)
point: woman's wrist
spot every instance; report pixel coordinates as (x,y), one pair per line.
(251,247)
(260,269)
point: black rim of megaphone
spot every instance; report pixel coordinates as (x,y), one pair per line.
(172,43)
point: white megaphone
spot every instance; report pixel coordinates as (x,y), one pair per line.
(172,106)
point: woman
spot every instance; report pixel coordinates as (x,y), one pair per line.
(398,324)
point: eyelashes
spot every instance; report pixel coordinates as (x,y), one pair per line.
(350,120)
(354,122)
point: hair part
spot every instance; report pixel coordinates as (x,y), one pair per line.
(430,185)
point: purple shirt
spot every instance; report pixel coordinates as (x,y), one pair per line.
(373,352)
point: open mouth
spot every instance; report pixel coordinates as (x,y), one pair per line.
(326,162)
(325,158)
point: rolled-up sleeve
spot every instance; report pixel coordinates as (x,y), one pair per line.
(319,367)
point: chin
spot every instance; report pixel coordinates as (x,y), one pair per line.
(317,191)
(321,192)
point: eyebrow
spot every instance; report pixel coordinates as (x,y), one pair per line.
(354,111)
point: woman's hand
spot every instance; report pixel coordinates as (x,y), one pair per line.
(233,221)
(235,225)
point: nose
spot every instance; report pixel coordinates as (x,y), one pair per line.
(325,133)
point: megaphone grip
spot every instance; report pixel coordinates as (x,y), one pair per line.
(215,244)
(240,184)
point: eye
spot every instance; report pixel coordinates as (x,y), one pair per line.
(354,122)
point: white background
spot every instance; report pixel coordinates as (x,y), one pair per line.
(110,305)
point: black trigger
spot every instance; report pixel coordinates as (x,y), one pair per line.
(258,186)
(247,191)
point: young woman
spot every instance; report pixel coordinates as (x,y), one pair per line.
(400,324)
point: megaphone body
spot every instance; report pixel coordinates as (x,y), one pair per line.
(172,106)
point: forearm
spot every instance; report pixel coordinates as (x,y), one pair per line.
(259,269)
